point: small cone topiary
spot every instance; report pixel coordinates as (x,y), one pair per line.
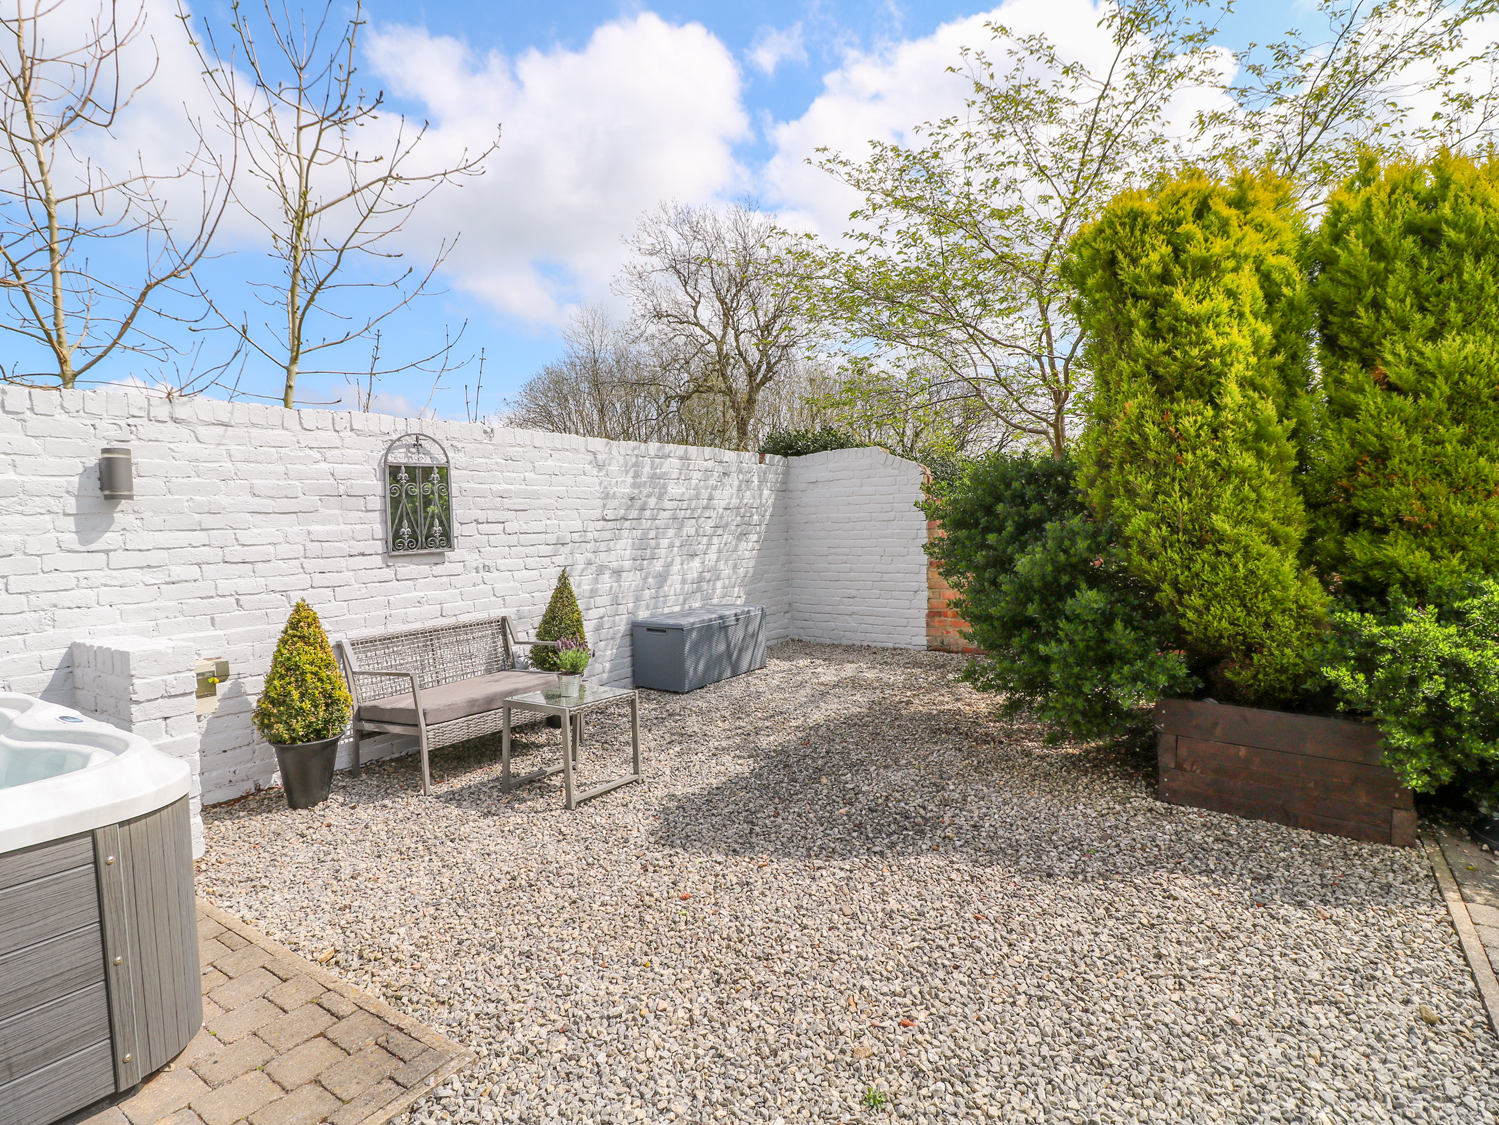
(562,619)
(305,697)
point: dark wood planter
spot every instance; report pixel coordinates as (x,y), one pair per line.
(1321,774)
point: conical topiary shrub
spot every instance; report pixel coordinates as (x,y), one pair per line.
(305,698)
(562,619)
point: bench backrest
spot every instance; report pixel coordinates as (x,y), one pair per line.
(439,654)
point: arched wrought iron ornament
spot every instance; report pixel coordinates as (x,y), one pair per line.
(418,495)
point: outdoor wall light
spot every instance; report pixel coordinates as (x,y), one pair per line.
(116,480)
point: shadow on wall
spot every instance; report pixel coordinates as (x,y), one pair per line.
(93,516)
(629,566)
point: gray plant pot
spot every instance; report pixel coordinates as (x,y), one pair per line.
(307,770)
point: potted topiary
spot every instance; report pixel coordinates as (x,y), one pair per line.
(572,659)
(304,708)
(563,620)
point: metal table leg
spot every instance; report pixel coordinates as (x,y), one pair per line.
(569,754)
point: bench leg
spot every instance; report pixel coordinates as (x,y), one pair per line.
(426,771)
(357,770)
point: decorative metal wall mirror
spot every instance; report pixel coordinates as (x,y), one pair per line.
(418,495)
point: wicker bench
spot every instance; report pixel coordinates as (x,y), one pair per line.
(443,684)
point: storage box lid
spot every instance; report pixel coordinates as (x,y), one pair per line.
(702,615)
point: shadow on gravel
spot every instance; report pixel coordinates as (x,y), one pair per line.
(927,784)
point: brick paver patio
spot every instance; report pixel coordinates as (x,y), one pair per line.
(285,1042)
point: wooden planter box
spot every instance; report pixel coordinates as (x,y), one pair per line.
(1306,772)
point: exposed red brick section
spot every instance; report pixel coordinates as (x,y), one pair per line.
(943,625)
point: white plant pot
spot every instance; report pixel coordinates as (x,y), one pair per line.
(571,684)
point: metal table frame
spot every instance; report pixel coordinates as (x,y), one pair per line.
(571,714)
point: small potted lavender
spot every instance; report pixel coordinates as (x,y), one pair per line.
(571,658)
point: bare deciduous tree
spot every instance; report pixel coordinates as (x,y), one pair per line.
(609,384)
(66,223)
(706,289)
(299,118)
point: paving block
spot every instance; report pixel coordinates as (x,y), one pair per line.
(231,939)
(295,991)
(182,1117)
(418,1068)
(357,1031)
(341,1006)
(212,978)
(243,988)
(295,1026)
(210,950)
(401,1045)
(233,1061)
(357,1073)
(235,1025)
(164,1095)
(199,1046)
(241,960)
(362,1107)
(237,1100)
(286,969)
(1483,915)
(305,1062)
(307,1106)
(110,1116)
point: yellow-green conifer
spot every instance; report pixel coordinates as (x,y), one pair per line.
(1404,488)
(1194,303)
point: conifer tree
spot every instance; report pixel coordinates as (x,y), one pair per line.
(305,697)
(1195,304)
(1404,487)
(562,619)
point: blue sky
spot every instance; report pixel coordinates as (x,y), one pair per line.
(605,109)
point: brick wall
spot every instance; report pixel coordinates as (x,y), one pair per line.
(944,628)
(857,567)
(241,509)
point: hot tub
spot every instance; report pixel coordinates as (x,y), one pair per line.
(99,982)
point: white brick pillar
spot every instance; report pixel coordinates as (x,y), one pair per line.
(145,685)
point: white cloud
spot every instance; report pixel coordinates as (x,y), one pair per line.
(590,140)
(773,46)
(880,95)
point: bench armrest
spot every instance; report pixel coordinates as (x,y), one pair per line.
(534,644)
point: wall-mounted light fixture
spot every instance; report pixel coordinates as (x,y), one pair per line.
(116,480)
(211,673)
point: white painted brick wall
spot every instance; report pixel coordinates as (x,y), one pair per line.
(146,685)
(241,509)
(858,573)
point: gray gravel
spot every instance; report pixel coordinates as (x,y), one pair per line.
(846,892)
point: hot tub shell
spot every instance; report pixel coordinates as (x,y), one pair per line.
(99,979)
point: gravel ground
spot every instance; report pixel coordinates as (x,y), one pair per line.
(846,892)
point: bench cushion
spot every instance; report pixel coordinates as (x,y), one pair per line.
(457,700)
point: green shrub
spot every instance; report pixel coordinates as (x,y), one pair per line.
(562,619)
(1405,483)
(799,443)
(1067,634)
(1429,676)
(305,698)
(1194,304)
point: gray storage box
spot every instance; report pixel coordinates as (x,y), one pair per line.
(689,648)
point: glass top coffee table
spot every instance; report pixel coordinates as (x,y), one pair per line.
(571,709)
